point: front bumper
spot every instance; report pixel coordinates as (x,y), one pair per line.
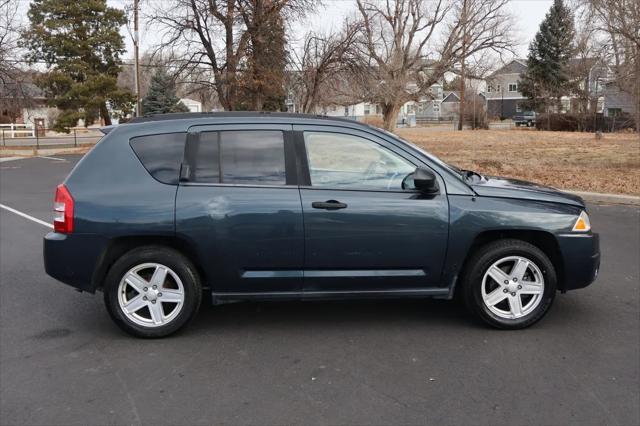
(581,260)
(73,258)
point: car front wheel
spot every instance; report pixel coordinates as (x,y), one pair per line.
(509,284)
(152,291)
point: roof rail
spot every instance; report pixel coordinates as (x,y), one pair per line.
(229,114)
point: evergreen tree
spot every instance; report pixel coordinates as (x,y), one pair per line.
(162,98)
(80,43)
(547,78)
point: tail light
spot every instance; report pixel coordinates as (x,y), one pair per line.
(63,211)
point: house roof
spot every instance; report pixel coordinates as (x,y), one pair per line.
(516,66)
(453,96)
(20,90)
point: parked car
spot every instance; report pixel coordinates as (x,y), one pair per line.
(526,118)
(249,206)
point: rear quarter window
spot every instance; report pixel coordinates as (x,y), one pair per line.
(161,155)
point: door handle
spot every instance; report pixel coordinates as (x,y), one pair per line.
(328,205)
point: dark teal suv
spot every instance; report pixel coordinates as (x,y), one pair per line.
(246,206)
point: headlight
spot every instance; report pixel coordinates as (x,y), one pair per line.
(582,224)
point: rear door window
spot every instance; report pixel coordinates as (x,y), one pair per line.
(248,157)
(161,155)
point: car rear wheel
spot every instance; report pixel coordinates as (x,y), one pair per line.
(152,291)
(509,284)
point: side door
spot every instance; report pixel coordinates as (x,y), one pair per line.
(238,204)
(366,230)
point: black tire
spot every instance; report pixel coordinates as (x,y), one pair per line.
(479,263)
(174,260)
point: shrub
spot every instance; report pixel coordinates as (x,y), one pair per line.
(583,122)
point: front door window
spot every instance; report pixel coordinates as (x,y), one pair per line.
(341,161)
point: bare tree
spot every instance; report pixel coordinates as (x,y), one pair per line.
(618,23)
(485,26)
(401,55)
(204,34)
(9,36)
(220,40)
(391,50)
(17,90)
(323,60)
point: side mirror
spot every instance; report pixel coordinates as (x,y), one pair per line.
(425,181)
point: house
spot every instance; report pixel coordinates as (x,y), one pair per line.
(22,102)
(427,107)
(192,105)
(450,106)
(503,96)
(589,74)
(617,101)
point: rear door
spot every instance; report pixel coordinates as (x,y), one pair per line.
(238,203)
(364,229)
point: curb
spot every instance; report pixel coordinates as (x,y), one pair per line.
(597,197)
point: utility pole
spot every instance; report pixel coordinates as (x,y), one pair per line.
(463,65)
(136,48)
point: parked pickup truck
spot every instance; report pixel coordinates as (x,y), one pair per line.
(526,118)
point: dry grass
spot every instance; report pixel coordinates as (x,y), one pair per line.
(561,159)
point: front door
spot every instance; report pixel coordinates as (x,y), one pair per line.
(366,228)
(238,204)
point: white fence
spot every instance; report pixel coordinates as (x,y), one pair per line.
(17,131)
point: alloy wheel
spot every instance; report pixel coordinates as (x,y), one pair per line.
(512,287)
(151,294)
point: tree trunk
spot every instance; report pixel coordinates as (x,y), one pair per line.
(637,59)
(104,113)
(462,66)
(390,115)
(461,108)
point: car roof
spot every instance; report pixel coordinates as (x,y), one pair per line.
(237,114)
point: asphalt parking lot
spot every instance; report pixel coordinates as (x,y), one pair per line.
(62,361)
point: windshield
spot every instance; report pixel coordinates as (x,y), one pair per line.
(430,156)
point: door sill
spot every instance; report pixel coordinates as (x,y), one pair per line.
(439,292)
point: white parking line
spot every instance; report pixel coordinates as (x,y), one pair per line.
(51,158)
(5,159)
(26,216)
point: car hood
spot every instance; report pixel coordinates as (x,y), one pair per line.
(495,186)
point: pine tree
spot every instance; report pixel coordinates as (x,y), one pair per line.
(81,44)
(162,98)
(547,78)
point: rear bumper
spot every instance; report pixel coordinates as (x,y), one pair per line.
(581,259)
(73,258)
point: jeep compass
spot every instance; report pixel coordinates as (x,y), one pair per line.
(168,209)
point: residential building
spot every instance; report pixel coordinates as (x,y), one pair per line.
(617,101)
(504,98)
(503,94)
(450,106)
(193,105)
(23,102)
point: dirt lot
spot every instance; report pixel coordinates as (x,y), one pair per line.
(561,159)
